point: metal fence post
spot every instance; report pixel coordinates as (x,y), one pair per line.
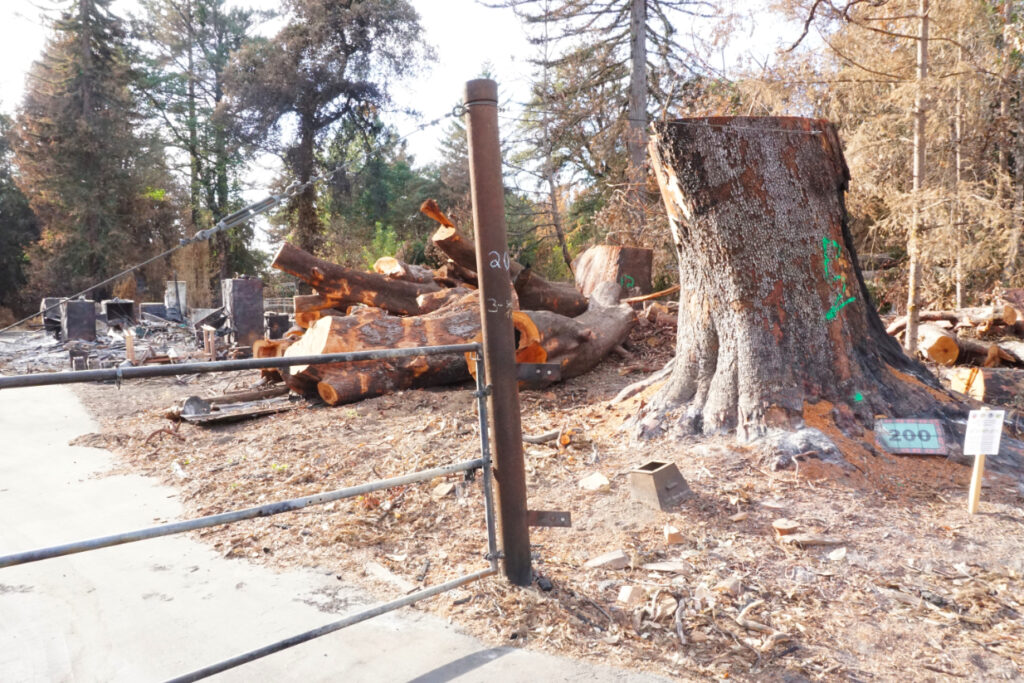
(496,305)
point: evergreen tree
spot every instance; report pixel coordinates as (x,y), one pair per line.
(18,226)
(94,177)
(334,62)
(187,44)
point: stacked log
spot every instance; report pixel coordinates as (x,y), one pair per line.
(402,305)
(983,343)
(940,337)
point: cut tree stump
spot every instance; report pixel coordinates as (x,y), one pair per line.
(774,314)
(998,386)
(347,286)
(630,267)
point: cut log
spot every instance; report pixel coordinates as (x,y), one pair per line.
(346,286)
(535,292)
(454,275)
(458,323)
(311,307)
(538,294)
(581,343)
(630,267)
(270,348)
(433,301)
(983,353)
(400,270)
(984,317)
(998,386)
(937,344)
(1013,348)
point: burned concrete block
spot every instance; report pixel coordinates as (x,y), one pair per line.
(78,320)
(243,303)
(118,311)
(277,325)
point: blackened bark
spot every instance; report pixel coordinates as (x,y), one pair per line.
(773,311)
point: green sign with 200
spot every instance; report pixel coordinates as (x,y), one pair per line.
(915,436)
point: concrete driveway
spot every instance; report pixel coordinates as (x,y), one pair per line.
(157,609)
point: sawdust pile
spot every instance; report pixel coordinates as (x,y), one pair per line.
(905,585)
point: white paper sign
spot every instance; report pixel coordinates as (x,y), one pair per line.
(984,427)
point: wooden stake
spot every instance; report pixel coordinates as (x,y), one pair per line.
(210,342)
(974,493)
(129,346)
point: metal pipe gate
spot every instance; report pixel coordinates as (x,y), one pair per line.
(483,463)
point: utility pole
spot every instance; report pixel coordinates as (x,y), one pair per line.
(496,306)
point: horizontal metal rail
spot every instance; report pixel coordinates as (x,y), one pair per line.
(236,516)
(335,626)
(49,378)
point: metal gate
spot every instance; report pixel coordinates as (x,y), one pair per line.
(469,467)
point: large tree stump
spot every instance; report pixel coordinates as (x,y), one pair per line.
(773,312)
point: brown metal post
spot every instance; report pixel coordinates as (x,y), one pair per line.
(492,259)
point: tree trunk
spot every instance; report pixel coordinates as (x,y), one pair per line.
(308,229)
(914,239)
(636,143)
(345,286)
(774,312)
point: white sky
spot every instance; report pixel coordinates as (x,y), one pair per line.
(465,36)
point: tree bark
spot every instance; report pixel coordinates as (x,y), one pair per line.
(345,286)
(774,312)
(914,239)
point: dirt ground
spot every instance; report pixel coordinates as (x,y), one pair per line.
(908,587)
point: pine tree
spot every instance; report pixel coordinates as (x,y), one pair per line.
(187,45)
(92,175)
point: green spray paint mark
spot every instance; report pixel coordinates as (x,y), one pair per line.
(840,301)
(858,397)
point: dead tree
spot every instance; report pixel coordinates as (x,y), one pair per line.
(773,312)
